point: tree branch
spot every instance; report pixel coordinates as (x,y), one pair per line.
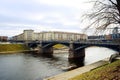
(113,2)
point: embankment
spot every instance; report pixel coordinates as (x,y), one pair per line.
(13,48)
(106,72)
(73,73)
(100,70)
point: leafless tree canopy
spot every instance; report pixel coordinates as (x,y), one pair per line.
(105,14)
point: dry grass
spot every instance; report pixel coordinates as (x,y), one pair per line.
(12,47)
(59,46)
(106,72)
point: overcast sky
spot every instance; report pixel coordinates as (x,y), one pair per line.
(41,15)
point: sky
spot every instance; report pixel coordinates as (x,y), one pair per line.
(42,15)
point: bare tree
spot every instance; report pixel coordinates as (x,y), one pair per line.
(105,14)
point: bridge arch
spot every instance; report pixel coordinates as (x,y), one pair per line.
(48,45)
(115,48)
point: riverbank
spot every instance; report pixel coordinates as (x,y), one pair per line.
(22,51)
(106,72)
(13,48)
(100,70)
(73,73)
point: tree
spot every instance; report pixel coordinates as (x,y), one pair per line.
(106,14)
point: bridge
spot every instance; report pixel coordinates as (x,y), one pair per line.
(76,48)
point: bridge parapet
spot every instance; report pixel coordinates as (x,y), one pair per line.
(48,44)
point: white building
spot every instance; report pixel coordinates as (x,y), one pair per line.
(30,35)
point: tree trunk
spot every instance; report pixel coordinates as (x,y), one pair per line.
(118,6)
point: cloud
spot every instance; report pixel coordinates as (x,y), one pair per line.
(40,15)
(74,4)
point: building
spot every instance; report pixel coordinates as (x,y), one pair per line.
(3,38)
(30,35)
(99,37)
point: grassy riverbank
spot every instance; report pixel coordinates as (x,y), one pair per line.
(12,47)
(59,46)
(106,72)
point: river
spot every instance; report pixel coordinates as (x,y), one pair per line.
(22,66)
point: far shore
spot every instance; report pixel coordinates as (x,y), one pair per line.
(21,51)
(57,51)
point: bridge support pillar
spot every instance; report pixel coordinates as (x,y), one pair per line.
(76,57)
(47,52)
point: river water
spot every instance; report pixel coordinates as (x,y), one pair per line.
(22,66)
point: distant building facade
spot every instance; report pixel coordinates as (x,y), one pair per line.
(30,35)
(114,36)
(3,38)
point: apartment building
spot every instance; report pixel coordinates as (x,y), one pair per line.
(30,35)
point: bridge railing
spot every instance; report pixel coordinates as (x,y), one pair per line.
(100,42)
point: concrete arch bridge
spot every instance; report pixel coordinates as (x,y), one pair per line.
(76,49)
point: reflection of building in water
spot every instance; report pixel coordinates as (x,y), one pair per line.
(50,35)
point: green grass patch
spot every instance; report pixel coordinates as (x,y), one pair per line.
(12,47)
(106,72)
